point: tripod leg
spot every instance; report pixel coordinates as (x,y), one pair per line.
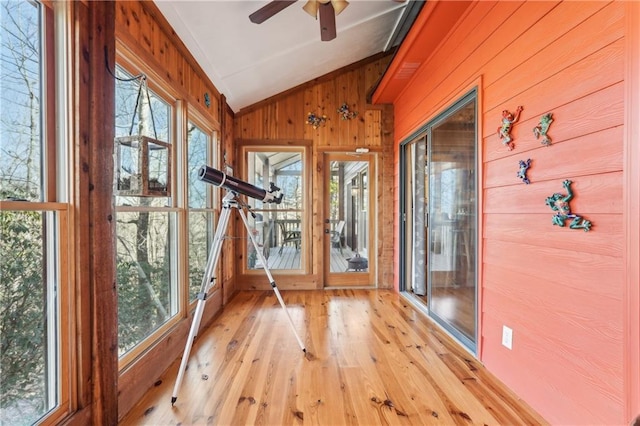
(207,283)
(271,280)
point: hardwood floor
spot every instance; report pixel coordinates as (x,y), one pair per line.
(371,359)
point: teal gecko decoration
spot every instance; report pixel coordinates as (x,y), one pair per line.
(522,173)
(560,204)
(542,128)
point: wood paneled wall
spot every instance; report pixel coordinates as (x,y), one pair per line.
(143,29)
(284,118)
(95,297)
(560,290)
(227,259)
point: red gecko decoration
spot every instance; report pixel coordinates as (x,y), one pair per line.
(504,131)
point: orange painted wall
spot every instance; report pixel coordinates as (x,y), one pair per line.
(561,291)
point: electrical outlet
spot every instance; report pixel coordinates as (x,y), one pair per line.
(507,337)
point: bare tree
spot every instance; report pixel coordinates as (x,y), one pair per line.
(23,309)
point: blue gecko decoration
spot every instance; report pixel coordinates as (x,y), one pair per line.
(522,173)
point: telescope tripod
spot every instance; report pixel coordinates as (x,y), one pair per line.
(229,202)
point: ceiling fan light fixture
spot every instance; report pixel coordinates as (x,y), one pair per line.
(339,5)
(311,7)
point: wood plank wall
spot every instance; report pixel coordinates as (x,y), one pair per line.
(227,155)
(143,29)
(92,216)
(283,117)
(560,290)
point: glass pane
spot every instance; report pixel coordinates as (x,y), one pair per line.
(453,212)
(134,114)
(417,221)
(27,360)
(20,105)
(199,197)
(144,275)
(139,114)
(200,236)
(348,216)
(197,144)
(279,237)
(277,227)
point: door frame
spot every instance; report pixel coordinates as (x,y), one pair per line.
(304,278)
(425,130)
(351,278)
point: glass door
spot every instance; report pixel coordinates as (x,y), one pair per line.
(278,228)
(439,226)
(348,230)
(416,223)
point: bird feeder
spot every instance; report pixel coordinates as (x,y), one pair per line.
(142,163)
(142,167)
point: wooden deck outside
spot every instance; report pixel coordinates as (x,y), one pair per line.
(290,259)
(371,359)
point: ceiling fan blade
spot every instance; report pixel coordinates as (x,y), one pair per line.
(339,5)
(311,7)
(327,22)
(268,10)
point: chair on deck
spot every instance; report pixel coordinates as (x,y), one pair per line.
(336,235)
(289,236)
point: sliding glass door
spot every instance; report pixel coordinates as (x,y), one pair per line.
(439,223)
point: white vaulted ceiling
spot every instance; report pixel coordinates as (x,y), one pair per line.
(249,62)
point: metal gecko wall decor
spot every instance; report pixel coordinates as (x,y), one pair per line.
(316,120)
(524,167)
(560,204)
(345,113)
(504,131)
(542,128)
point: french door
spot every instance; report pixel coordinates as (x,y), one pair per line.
(438,220)
(349,232)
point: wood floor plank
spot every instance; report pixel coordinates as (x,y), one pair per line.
(371,359)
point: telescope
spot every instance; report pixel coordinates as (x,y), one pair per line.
(221,179)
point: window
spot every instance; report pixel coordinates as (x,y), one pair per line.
(146,226)
(163,237)
(278,228)
(200,204)
(34,284)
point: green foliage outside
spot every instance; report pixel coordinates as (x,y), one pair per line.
(22,317)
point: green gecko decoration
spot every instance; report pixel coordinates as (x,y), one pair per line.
(560,204)
(542,129)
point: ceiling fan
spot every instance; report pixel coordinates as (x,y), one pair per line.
(327,9)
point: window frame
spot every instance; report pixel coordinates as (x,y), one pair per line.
(182,113)
(212,197)
(424,134)
(54,205)
(132,65)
